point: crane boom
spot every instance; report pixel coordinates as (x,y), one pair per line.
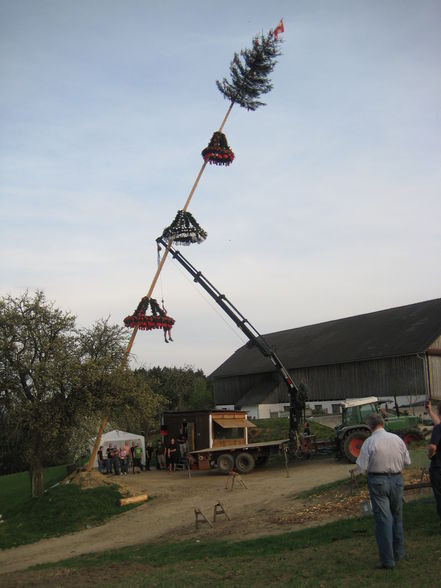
(249,331)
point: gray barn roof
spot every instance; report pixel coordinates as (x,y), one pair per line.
(401,331)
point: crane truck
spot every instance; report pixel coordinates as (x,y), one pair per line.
(220,438)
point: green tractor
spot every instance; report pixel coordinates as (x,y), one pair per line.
(352,431)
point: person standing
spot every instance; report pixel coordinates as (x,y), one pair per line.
(109,459)
(122,460)
(383,456)
(182,443)
(115,460)
(127,448)
(132,456)
(137,457)
(160,455)
(172,455)
(101,461)
(148,455)
(434,454)
(300,400)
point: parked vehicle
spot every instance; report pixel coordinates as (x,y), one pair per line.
(353,431)
(219,438)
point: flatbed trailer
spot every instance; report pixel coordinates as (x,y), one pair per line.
(240,458)
(218,439)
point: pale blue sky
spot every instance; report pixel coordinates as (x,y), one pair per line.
(331,207)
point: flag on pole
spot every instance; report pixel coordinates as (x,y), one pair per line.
(279,28)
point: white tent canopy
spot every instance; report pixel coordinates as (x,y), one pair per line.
(119,438)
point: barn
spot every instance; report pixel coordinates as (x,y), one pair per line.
(393,353)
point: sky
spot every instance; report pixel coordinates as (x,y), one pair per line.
(330,209)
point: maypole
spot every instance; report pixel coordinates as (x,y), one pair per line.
(249,79)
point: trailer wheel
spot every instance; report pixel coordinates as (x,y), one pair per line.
(412,437)
(245,462)
(225,463)
(352,444)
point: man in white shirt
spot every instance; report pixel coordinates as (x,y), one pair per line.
(383,456)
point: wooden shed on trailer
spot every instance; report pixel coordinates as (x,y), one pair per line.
(208,428)
(389,353)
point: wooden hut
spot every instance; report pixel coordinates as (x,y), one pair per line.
(208,428)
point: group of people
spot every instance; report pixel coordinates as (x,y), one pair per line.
(169,452)
(383,456)
(119,460)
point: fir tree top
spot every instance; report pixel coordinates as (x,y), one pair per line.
(250,71)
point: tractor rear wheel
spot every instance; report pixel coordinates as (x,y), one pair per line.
(225,463)
(245,462)
(352,444)
(412,436)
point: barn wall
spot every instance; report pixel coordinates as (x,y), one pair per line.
(400,376)
(434,369)
(435,376)
(436,344)
(227,391)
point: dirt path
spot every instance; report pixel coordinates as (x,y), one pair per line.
(170,515)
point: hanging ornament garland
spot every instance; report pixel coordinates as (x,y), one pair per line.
(157,320)
(218,151)
(184,230)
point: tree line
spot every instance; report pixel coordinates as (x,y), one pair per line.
(58,380)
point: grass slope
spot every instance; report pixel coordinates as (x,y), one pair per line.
(62,509)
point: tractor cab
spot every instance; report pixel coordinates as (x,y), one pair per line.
(355,412)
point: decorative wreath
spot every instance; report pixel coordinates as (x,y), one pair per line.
(218,151)
(157,320)
(184,230)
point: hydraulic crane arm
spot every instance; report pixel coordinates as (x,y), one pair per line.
(247,328)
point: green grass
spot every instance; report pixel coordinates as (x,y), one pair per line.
(278,428)
(342,553)
(62,509)
(418,455)
(15,488)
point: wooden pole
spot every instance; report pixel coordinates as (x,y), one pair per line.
(150,292)
(97,443)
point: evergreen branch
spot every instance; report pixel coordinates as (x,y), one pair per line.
(249,72)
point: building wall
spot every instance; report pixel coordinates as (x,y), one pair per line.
(228,391)
(399,376)
(267,411)
(435,376)
(434,369)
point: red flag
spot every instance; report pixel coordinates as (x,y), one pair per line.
(279,28)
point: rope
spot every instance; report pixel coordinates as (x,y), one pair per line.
(159,249)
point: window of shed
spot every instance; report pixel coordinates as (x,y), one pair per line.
(221,433)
